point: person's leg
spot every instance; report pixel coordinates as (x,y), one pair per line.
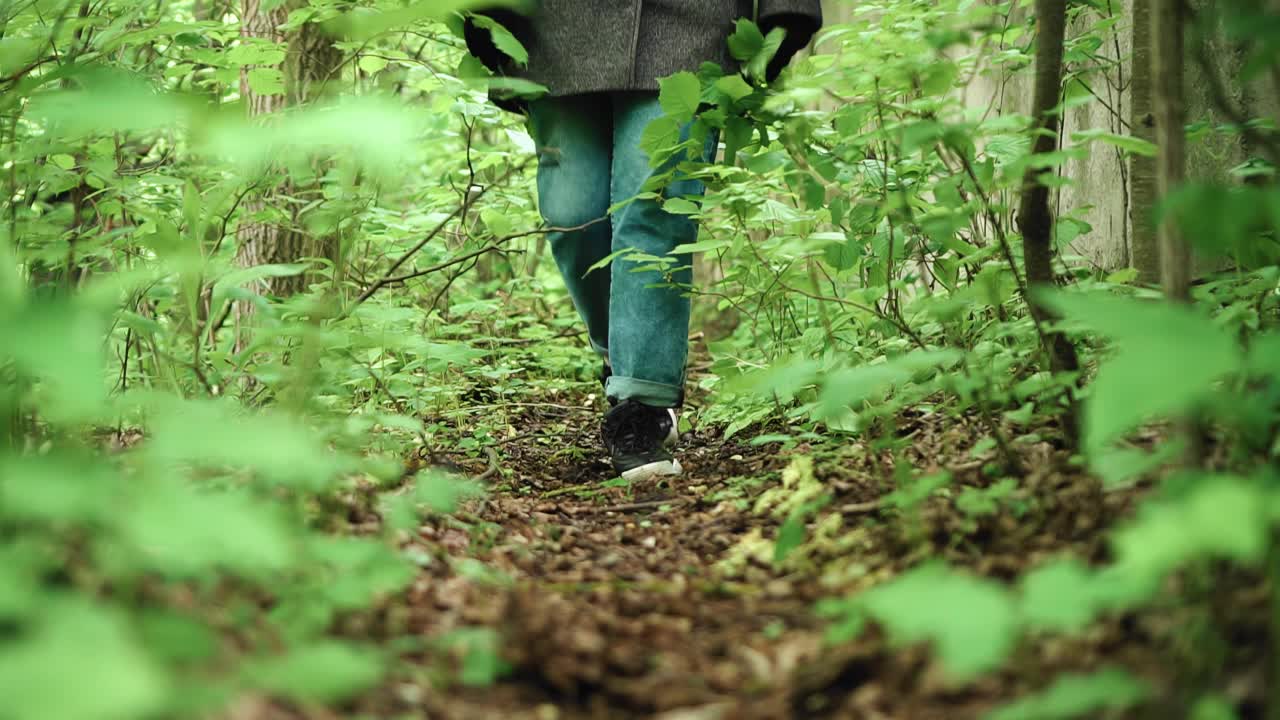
(648,310)
(648,317)
(574,139)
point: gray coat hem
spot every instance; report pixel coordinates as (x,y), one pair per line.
(589,46)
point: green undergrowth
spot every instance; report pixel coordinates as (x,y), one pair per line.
(211,467)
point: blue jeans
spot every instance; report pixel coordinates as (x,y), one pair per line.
(589,159)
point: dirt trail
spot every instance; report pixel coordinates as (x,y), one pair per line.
(612,602)
(615,602)
(615,610)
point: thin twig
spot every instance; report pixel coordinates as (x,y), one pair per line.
(869,506)
(503,406)
(632,507)
(517,438)
(435,231)
(226,219)
(1005,247)
(567,490)
(495,245)
(493,465)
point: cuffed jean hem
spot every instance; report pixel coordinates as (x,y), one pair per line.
(644,391)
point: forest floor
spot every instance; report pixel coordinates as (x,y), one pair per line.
(663,601)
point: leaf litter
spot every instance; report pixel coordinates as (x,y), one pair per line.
(563,595)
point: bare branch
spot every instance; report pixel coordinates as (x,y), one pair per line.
(388,279)
(435,231)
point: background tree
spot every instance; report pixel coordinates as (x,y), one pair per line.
(311,61)
(1144,247)
(1034,216)
(1167,20)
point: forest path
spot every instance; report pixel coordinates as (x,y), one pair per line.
(614,608)
(613,601)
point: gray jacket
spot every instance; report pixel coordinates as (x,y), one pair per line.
(583,46)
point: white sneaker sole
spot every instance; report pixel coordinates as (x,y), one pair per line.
(652,470)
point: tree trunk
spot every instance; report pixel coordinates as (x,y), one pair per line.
(312,69)
(1144,250)
(1167,20)
(1034,217)
(310,63)
(261,242)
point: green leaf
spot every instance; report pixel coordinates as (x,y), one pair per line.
(913,492)
(937,78)
(266,81)
(470,68)
(735,87)
(482,662)
(518,87)
(171,528)
(842,254)
(1167,535)
(62,348)
(22,565)
(790,536)
(607,260)
(1059,596)
(758,66)
(358,571)
(503,39)
(18,52)
(176,638)
(659,138)
(1119,467)
(971,622)
(108,101)
(498,223)
(1073,695)
(921,134)
(1264,355)
(681,206)
(800,494)
(746,40)
(256,52)
(217,435)
(850,387)
(361,26)
(979,502)
(372,64)
(679,96)
(65,487)
(737,135)
(1213,707)
(702,246)
(328,671)
(1128,143)
(993,286)
(116,681)
(1167,359)
(1006,149)
(442,493)
(782,378)
(1122,277)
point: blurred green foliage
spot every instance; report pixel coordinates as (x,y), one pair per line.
(184,455)
(169,493)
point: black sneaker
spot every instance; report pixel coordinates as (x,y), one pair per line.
(639,437)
